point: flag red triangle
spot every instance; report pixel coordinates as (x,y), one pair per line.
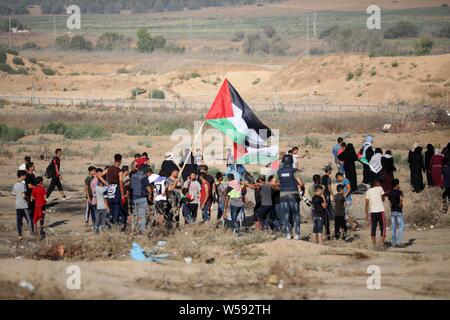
(239,151)
(221,107)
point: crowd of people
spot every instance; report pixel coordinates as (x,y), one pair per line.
(135,198)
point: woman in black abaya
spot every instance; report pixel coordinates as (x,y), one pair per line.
(428,154)
(348,156)
(417,167)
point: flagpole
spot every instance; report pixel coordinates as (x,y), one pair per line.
(192,146)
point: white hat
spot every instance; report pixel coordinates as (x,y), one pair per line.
(169,156)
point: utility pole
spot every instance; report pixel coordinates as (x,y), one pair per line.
(9,32)
(315,25)
(54,30)
(307,35)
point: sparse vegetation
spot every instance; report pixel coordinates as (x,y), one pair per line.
(18,61)
(423,46)
(10,133)
(157,94)
(48,71)
(401,29)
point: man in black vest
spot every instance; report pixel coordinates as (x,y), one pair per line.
(287,180)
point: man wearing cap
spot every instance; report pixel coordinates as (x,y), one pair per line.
(142,192)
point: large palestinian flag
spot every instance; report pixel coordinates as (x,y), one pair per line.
(231,115)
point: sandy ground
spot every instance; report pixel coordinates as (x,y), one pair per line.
(252,266)
(311,80)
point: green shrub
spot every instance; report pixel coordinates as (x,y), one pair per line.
(350,76)
(48,71)
(11,133)
(401,29)
(6,68)
(21,70)
(443,32)
(14,52)
(18,61)
(54,127)
(33,60)
(85,131)
(111,41)
(75,132)
(423,46)
(157,94)
(2,56)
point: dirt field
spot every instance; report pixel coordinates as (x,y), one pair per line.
(255,265)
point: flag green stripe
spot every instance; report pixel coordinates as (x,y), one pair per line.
(256,158)
(226,126)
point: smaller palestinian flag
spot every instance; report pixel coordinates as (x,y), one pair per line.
(250,155)
(231,115)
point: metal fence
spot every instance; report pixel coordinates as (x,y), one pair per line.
(164,105)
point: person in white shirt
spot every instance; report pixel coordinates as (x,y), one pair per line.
(374,206)
(23,166)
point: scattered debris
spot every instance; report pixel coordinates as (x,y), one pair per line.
(188,260)
(137,253)
(55,252)
(210,260)
(281,284)
(387,127)
(26,285)
(161,243)
(272,280)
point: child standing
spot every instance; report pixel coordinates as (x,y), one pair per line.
(319,205)
(185,199)
(102,206)
(339,208)
(38,193)
(18,192)
(90,208)
(395,197)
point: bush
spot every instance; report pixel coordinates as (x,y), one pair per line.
(2,56)
(145,41)
(402,29)
(352,40)
(394,64)
(157,94)
(238,36)
(6,68)
(111,41)
(173,48)
(14,52)
(257,43)
(63,42)
(423,46)
(443,32)
(21,70)
(54,128)
(74,132)
(30,46)
(85,131)
(122,71)
(48,71)
(350,76)
(18,61)
(11,133)
(33,60)
(159,42)
(79,42)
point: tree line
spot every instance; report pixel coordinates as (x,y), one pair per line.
(19,7)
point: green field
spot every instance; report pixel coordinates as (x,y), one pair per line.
(225,28)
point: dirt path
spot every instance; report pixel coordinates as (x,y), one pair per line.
(253,270)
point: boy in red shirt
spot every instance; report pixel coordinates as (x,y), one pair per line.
(205,199)
(38,193)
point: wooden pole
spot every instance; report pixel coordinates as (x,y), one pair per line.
(192,146)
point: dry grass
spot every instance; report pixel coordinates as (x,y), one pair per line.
(425,209)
